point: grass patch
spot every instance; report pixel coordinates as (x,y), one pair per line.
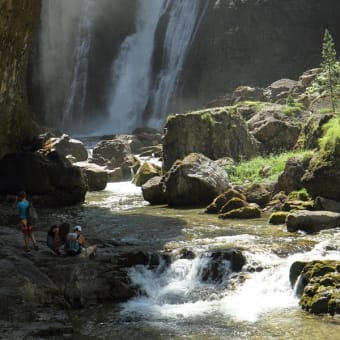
(331,137)
(249,171)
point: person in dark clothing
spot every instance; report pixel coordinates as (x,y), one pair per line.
(56,236)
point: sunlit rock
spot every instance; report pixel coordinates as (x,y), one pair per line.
(194,181)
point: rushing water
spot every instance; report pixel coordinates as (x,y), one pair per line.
(175,303)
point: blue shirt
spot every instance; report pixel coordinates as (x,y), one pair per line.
(23,208)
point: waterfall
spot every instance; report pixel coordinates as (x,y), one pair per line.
(184,19)
(76,98)
(131,74)
(133,85)
(85,85)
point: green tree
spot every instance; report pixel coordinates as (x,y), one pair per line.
(328,66)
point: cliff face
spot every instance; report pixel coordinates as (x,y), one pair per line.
(17,22)
(254,42)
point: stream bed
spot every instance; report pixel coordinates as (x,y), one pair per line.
(174,302)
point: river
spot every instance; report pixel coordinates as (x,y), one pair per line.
(175,303)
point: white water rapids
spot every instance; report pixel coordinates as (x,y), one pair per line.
(178,291)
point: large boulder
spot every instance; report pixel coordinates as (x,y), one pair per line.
(50,176)
(274,129)
(312,221)
(111,153)
(242,93)
(96,176)
(67,146)
(153,191)
(194,181)
(216,133)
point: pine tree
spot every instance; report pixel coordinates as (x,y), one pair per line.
(328,66)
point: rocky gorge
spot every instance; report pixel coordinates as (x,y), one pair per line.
(195,152)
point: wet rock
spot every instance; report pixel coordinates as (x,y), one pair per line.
(319,282)
(222,263)
(194,181)
(96,176)
(278,217)
(312,221)
(153,191)
(249,211)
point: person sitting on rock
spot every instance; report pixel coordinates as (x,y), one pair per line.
(26,227)
(56,236)
(75,244)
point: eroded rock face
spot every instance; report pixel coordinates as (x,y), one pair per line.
(194,181)
(216,133)
(18,20)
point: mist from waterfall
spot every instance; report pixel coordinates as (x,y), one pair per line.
(75,101)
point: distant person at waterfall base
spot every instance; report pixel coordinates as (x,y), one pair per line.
(26,226)
(76,244)
(56,236)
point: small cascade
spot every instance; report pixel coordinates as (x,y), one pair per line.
(181,292)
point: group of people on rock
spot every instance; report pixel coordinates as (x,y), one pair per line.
(58,236)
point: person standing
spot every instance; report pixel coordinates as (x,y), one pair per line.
(26,227)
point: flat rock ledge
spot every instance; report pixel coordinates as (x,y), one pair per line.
(312,221)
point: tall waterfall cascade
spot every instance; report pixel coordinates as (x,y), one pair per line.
(132,91)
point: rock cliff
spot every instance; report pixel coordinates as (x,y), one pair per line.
(254,42)
(18,20)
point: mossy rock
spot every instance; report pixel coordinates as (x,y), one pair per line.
(321,282)
(278,217)
(245,212)
(146,172)
(290,205)
(232,204)
(222,199)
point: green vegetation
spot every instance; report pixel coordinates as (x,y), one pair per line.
(328,81)
(328,66)
(257,105)
(331,137)
(293,109)
(207,116)
(251,170)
